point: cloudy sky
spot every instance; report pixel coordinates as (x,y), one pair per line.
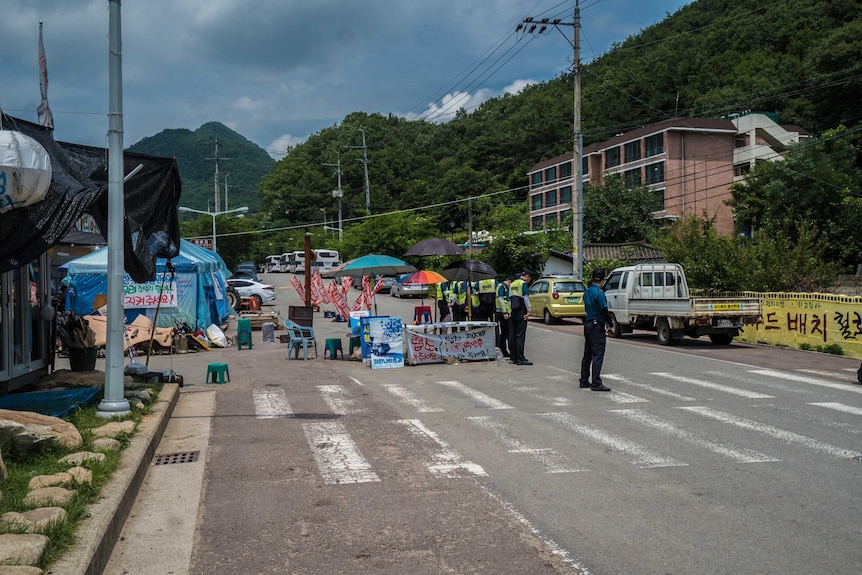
(277,71)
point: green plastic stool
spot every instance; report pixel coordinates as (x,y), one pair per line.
(218,369)
(333,345)
(243,333)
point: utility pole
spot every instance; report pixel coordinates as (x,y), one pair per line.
(225,190)
(339,193)
(364,161)
(530,25)
(215,179)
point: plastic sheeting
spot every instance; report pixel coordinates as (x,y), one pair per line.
(199,274)
(79,185)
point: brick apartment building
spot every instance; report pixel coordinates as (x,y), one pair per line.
(688,162)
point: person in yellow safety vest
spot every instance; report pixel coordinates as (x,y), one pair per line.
(503,309)
(519,299)
(487,289)
(458,298)
(474,301)
(440,293)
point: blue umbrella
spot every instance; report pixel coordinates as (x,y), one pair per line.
(374,264)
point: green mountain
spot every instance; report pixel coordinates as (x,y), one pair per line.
(242,164)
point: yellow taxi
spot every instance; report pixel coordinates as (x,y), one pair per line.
(554,297)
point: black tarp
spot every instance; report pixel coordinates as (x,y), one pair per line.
(79,185)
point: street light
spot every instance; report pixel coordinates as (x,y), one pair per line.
(213,216)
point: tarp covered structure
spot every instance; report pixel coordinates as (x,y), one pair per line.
(199,298)
(79,185)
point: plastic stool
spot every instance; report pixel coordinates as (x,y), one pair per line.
(333,345)
(422,314)
(354,343)
(243,333)
(218,369)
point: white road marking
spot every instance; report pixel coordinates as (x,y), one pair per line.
(410,398)
(477,396)
(840,407)
(773,432)
(338,401)
(715,386)
(761,382)
(357,382)
(808,380)
(848,377)
(558,401)
(446,461)
(553,461)
(623,397)
(337,456)
(626,381)
(638,454)
(270,403)
(741,455)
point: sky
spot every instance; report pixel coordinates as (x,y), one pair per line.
(278,71)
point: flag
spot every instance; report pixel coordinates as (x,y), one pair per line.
(299,289)
(378,285)
(46,118)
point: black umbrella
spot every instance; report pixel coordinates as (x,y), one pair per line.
(468,270)
(434,247)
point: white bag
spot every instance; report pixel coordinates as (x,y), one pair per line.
(216,336)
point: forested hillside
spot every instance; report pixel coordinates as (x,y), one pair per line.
(243,163)
(799,58)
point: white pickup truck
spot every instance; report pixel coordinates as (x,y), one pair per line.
(656,297)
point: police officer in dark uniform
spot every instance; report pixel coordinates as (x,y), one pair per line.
(519,300)
(597,323)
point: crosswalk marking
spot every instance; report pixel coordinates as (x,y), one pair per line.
(653,389)
(410,398)
(551,459)
(840,407)
(270,403)
(715,386)
(557,401)
(622,397)
(337,456)
(477,396)
(338,401)
(741,455)
(808,380)
(770,431)
(832,374)
(445,461)
(749,381)
(640,455)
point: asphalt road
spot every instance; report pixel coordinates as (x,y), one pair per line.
(704,459)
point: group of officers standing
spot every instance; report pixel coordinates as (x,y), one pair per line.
(506,302)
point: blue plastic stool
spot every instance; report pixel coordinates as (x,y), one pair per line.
(218,369)
(333,345)
(243,333)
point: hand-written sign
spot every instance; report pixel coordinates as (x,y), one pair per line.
(474,344)
(156,293)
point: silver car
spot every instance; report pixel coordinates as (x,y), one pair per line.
(263,293)
(400,289)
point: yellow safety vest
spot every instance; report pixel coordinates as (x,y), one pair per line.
(486,286)
(459,290)
(503,293)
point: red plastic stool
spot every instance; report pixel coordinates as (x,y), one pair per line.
(422,314)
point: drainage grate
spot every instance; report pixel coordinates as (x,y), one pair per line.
(170,458)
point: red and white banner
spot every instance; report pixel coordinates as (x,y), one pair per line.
(299,289)
(378,285)
(338,300)
(346,284)
(46,118)
(318,288)
(360,302)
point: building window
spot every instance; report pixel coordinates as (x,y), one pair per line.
(585,165)
(612,157)
(536,201)
(633,178)
(566,195)
(655,173)
(659,195)
(740,141)
(565,215)
(551,174)
(537,222)
(566,170)
(655,145)
(633,151)
(537,178)
(741,169)
(550,198)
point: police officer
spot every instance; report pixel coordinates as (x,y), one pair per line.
(597,323)
(458,298)
(440,294)
(502,313)
(519,300)
(487,289)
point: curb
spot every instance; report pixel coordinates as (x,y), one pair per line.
(97,534)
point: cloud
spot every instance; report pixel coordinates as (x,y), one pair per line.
(278,147)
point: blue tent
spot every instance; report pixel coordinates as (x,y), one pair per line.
(199,297)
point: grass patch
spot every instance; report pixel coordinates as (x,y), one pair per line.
(21,468)
(832,348)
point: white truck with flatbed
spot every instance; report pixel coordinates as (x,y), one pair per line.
(656,297)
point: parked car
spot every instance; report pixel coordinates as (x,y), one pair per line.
(245,273)
(399,289)
(263,293)
(554,297)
